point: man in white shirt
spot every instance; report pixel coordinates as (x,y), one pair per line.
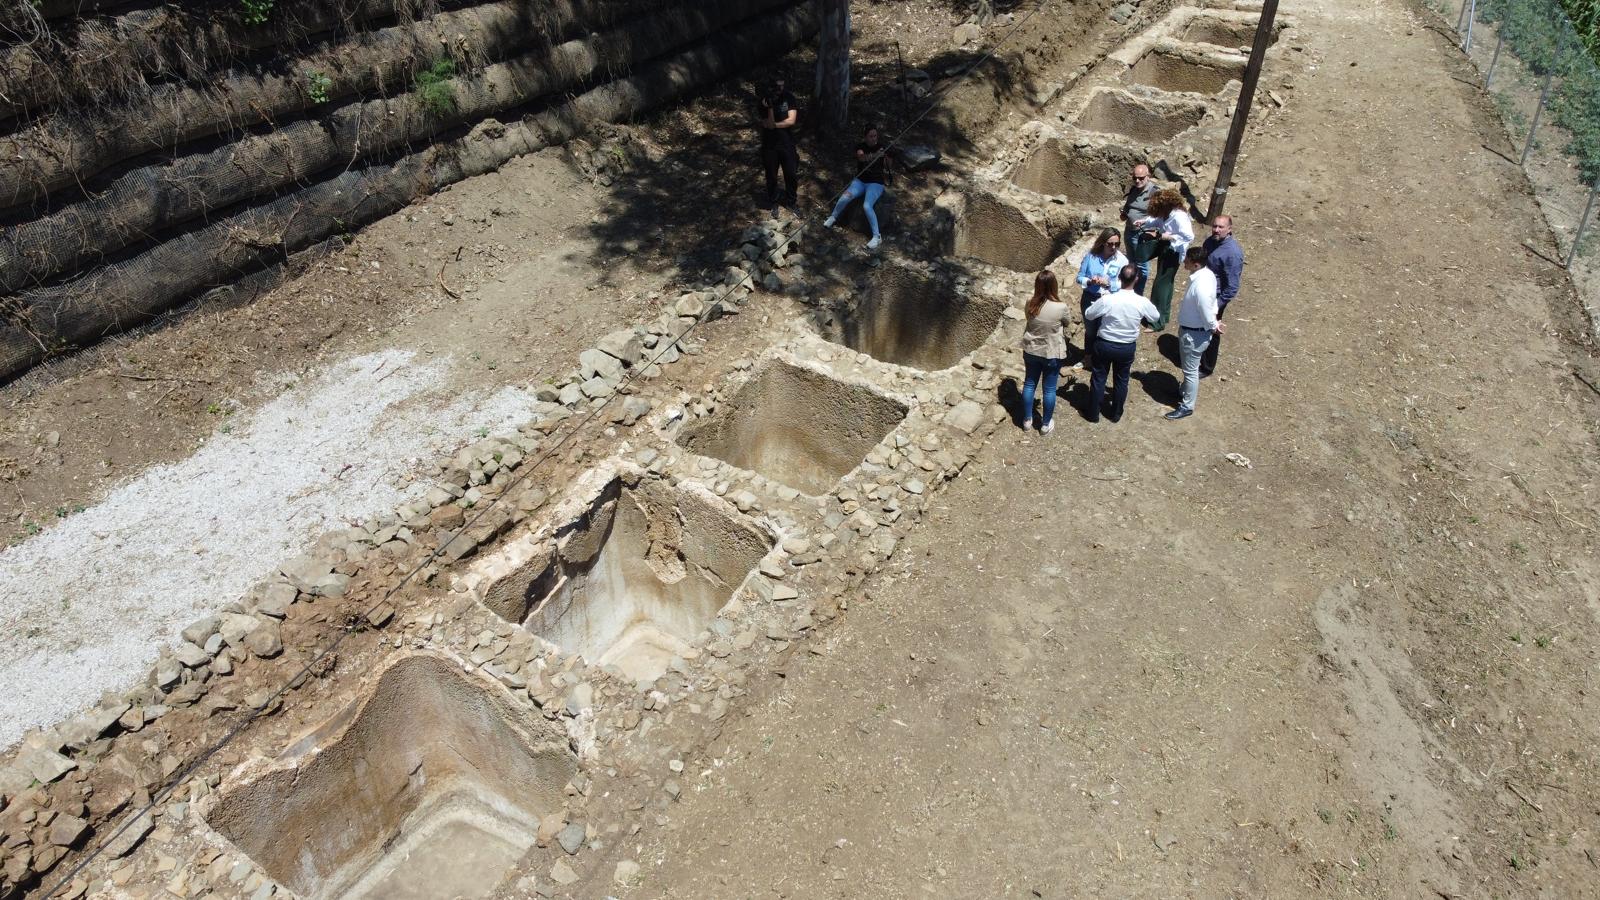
(1197,322)
(1119,316)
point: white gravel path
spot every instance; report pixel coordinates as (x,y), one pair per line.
(86,606)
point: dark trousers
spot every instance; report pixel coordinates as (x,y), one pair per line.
(1208,360)
(1116,359)
(1091,327)
(773,157)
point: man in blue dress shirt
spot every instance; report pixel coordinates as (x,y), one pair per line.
(1225,259)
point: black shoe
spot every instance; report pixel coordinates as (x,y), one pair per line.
(1180,413)
(1204,374)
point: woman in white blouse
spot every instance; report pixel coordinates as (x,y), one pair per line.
(1169,221)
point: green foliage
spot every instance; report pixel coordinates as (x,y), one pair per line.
(256,12)
(1559,38)
(318,86)
(434,87)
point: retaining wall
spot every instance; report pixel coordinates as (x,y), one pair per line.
(148,155)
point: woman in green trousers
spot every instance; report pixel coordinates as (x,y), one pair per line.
(1168,226)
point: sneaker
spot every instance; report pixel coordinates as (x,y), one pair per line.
(828,222)
(873,244)
(1179,413)
(1027,424)
(1047,428)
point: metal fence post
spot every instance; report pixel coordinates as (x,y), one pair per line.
(1472,14)
(1544,94)
(1583,220)
(1462,16)
(1493,60)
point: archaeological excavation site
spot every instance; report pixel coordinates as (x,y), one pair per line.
(440,473)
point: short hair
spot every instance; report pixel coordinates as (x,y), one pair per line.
(1127,275)
(1144,166)
(1196,255)
(1220,217)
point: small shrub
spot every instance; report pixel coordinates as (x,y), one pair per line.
(256,12)
(318,86)
(434,87)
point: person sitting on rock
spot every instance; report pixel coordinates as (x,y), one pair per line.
(873,158)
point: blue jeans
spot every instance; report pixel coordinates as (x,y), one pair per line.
(1192,343)
(1115,359)
(856,189)
(1051,370)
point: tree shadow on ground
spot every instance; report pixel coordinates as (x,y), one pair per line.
(685,182)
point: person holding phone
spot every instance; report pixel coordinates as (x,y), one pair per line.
(778,113)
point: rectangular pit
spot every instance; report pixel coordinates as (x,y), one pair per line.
(634,579)
(1169,71)
(1058,170)
(1218,32)
(912,317)
(796,427)
(996,230)
(1118,112)
(432,788)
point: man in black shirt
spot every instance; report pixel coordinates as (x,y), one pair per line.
(779,112)
(872,157)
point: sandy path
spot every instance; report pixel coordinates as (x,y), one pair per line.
(90,603)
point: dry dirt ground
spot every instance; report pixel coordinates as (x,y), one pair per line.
(147,480)
(1121,665)
(1114,663)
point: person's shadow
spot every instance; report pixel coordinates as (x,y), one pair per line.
(1072,390)
(1009,395)
(1162,387)
(1167,346)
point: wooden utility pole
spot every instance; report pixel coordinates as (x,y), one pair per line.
(833,63)
(1252,74)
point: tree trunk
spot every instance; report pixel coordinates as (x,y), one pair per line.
(833,63)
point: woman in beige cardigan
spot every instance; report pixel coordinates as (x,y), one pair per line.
(1043,348)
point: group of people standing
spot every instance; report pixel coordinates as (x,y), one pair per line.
(1113,277)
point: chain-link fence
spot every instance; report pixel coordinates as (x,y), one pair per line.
(1539,61)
